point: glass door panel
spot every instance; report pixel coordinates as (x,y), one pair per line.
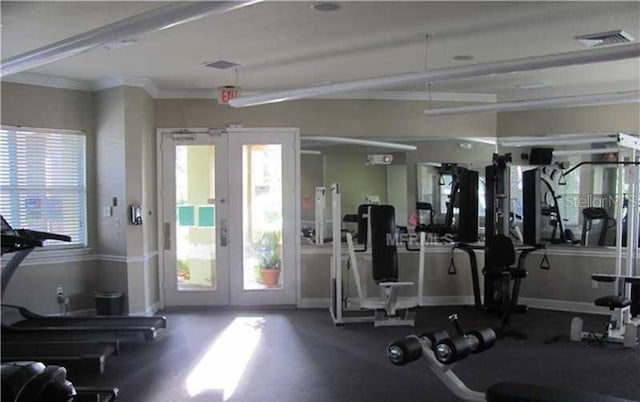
(262,216)
(195,217)
(194,188)
(263,193)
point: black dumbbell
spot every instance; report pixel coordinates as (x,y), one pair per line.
(404,350)
(485,338)
(451,350)
(16,375)
(50,385)
(435,337)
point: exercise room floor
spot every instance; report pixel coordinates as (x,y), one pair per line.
(297,355)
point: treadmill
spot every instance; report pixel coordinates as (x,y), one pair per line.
(33,326)
(76,357)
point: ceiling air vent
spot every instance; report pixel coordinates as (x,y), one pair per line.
(605,38)
(221,64)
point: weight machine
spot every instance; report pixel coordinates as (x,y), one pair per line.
(500,296)
(624,321)
(377,232)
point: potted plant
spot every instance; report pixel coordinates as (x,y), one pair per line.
(269,253)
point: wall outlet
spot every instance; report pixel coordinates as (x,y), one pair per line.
(594,284)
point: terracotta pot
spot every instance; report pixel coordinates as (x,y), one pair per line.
(270,277)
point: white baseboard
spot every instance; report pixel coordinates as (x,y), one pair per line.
(545,304)
(323,302)
(446,300)
(152,309)
(148,312)
(318,302)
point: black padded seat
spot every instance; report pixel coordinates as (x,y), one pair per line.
(613,302)
(518,273)
(518,392)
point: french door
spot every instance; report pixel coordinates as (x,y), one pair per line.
(229,216)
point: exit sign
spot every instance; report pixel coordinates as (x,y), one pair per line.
(225,94)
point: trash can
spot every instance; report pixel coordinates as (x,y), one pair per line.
(108,302)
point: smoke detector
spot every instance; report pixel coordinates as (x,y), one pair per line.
(605,38)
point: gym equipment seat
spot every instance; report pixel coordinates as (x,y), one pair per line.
(499,296)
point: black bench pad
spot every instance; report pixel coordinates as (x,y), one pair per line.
(612,278)
(519,392)
(613,302)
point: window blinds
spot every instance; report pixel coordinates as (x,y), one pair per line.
(43,181)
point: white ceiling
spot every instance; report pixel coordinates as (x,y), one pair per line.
(283,45)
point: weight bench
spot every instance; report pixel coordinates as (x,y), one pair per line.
(441,351)
(622,326)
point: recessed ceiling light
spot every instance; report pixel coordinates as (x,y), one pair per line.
(325,7)
(463,57)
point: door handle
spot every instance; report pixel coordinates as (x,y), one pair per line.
(224,233)
(167,235)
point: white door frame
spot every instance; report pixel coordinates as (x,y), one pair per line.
(160,132)
(289,137)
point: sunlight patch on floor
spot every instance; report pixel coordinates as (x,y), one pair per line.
(222,366)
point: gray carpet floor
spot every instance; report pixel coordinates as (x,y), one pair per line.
(300,356)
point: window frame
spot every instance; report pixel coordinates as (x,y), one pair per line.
(82,245)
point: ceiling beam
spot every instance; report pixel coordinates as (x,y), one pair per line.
(533,104)
(612,53)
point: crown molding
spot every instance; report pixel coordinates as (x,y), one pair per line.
(150,87)
(189,94)
(144,83)
(82,85)
(49,81)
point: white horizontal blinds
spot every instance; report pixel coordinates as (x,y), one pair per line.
(43,183)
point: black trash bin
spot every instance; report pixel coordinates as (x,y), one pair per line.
(108,302)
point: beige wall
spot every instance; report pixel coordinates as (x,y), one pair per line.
(566,286)
(575,120)
(121,160)
(42,107)
(140,181)
(311,176)
(34,285)
(111,171)
(126,162)
(346,165)
(346,118)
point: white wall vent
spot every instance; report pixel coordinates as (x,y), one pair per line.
(605,38)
